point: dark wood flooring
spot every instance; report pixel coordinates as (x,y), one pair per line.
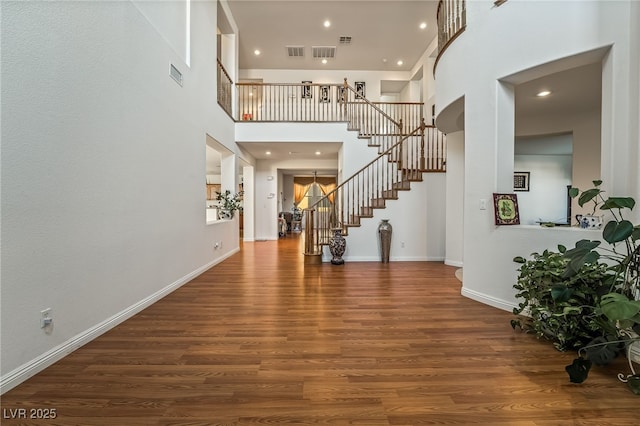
(264,339)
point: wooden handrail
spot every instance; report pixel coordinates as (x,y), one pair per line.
(224,70)
(367,101)
(452,20)
(225,89)
(387,152)
(367,189)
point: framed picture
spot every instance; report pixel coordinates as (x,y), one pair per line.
(306,90)
(360,90)
(325,94)
(341,94)
(505,207)
(521,181)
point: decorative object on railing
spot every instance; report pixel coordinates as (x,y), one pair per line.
(225,88)
(369,188)
(384,231)
(452,20)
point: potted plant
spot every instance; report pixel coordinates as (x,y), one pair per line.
(619,307)
(554,307)
(228,203)
(589,296)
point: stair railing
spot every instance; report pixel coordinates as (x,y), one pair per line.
(367,189)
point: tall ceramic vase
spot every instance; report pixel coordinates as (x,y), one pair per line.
(384,230)
(337,245)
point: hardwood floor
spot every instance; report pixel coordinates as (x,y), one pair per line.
(264,339)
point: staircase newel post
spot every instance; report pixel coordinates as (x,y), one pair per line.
(422,127)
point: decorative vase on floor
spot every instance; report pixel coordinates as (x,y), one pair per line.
(337,245)
(384,230)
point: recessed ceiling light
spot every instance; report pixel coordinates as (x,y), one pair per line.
(256,52)
(327,23)
(268,152)
(400,62)
(324,61)
(250,93)
(543,93)
(384,60)
(423,25)
(318,153)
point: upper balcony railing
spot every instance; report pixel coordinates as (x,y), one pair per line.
(313,102)
(452,20)
(225,89)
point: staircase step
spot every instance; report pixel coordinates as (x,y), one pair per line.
(378,203)
(390,194)
(403,185)
(366,211)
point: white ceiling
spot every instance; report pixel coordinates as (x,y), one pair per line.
(380,29)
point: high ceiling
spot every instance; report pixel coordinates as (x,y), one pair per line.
(382,32)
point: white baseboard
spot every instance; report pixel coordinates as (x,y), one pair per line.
(33,367)
(488,300)
(456,263)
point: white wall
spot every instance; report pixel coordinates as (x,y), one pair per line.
(490,49)
(103,167)
(455,199)
(546,199)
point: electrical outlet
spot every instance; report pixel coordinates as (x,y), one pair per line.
(216,245)
(46,318)
(402,244)
(483,204)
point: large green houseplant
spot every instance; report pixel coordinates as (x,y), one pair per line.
(619,308)
(591,292)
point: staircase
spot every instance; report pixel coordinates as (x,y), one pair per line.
(382,179)
(404,154)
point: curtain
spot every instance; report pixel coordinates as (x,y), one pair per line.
(299,192)
(327,189)
(301,185)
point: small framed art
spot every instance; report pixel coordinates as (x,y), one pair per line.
(341,94)
(306,90)
(360,89)
(521,181)
(325,94)
(505,207)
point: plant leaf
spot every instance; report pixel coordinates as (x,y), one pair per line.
(578,370)
(603,352)
(573,192)
(596,182)
(615,232)
(617,307)
(618,203)
(561,293)
(519,259)
(588,195)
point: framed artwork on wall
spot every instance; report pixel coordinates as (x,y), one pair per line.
(325,94)
(521,181)
(505,208)
(341,94)
(360,89)
(306,90)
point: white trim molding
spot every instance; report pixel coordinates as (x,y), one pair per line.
(488,300)
(33,367)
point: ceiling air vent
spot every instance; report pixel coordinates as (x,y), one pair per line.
(345,39)
(295,51)
(324,51)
